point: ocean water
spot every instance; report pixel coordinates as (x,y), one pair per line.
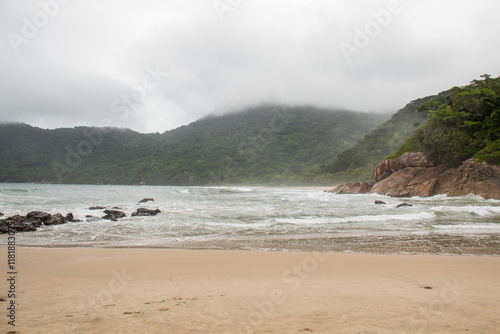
(254,218)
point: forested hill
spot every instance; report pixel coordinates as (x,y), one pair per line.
(269,145)
(357,162)
(450,127)
(466,125)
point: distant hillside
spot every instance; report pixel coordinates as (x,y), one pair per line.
(357,162)
(264,145)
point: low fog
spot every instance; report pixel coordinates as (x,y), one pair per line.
(155,65)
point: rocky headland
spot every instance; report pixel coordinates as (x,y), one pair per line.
(412,174)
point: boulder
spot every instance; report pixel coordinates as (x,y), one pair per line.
(412,159)
(1,214)
(379,202)
(43,216)
(145,200)
(97,208)
(403,205)
(16,219)
(56,219)
(71,218)
(38,217)
(24,227)
(113,215)
(409,159)
(383,170)
(4,228)
(90,218)
(146,212)
(477,178)
(18,223)
(352,188)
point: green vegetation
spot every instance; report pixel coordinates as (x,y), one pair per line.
(266,145)
(466,125)
(269,145)
(357,162)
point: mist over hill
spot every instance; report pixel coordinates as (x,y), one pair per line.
(268,145)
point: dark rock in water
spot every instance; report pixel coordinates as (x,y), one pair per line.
(38,217)
(403,204)
(34,221)
(1,214)
(16,219)
(97,208)
(379,202)
(90,218)
(17,223)
(3,227)
(24,227)
(145,200)
(56,219)
(113,215)
(146,212)
(71,218)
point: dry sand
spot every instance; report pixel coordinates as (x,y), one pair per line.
(182,291)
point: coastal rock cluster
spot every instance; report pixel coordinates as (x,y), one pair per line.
(412,174)
(35,219)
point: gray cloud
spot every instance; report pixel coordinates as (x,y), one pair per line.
(88,54)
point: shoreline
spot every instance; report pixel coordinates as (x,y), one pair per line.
(124,290)
(333,252)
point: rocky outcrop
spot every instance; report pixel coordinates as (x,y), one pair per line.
(113,215)
(97,207)
(470,178)
(413,175)
(90,218)
(56,219)
(145,212)
(18,223)
(30,222)
(352,188)
(388,167)
(145,200)
(69,217)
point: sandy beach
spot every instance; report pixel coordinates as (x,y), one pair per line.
(183,291)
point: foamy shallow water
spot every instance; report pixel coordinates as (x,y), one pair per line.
(258,218)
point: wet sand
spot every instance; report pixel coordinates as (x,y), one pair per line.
(183,291)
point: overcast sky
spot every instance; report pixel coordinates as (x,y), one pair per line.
(153,65)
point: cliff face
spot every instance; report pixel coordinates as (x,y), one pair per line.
(413,175)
